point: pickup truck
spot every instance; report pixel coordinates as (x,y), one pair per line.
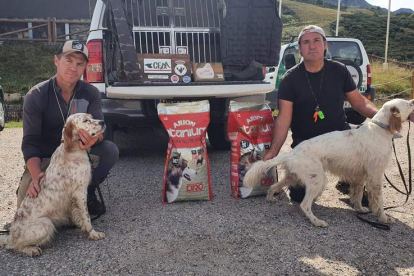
(198,27)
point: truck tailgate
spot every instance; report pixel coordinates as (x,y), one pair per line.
(126,90)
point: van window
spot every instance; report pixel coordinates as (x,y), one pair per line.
(344,50)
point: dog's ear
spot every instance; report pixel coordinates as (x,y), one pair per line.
(68,138)
(395,120)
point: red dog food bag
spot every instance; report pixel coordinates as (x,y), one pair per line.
(187,168)
(250,129)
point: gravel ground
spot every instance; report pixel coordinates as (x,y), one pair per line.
(222,237)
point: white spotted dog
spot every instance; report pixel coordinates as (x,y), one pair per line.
(62,198)
(358,156)
(177,170)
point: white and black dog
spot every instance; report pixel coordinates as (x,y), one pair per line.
(177,170)
(358,156)
(246,161)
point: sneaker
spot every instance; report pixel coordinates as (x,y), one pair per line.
(297,193)
(95,207)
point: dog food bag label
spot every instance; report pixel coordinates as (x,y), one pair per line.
(187,168)
(250,129)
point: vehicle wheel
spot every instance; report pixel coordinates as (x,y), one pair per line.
(355,71)
(2,113)
(354,117)
(217,136)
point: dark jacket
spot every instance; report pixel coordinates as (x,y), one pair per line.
(251,30)
(43,119)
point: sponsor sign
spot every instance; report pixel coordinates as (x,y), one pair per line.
(158,66)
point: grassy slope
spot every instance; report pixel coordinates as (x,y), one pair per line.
(23,65)
(371,30)
(381,80)
(301,14)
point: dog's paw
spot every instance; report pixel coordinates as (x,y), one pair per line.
(93,235)
(362,209)
(32,251)
(320,223)
(271,198)
(386,219)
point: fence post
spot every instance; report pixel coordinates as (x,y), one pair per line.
(412,84)
(49,30)
(54,30)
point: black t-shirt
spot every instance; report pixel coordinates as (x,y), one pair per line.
(329,94)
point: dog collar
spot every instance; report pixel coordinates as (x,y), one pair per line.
(381,125)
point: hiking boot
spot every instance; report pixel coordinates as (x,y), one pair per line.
(297,193)
(95,207)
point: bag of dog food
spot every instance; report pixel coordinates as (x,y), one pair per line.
(187,168)
(250,129)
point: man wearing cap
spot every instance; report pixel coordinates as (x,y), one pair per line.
(311,97)
(45,110)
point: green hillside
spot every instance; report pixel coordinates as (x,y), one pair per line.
(371,30)
(295,15)
(367,25)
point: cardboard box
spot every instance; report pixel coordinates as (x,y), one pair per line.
(208,72)
(165,68)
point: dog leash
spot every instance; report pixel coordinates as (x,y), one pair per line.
(408,187)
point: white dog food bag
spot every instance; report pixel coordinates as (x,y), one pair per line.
(250,129)
(187,168)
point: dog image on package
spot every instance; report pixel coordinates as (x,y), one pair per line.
(249,128)
(187,168)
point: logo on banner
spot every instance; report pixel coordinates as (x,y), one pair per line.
(152,65)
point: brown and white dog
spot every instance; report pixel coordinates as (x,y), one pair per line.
(62,198)
(358,156)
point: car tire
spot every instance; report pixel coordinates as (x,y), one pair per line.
(217,136)
(353,117)
(355,71)
(2,112)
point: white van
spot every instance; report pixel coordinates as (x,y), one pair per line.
(350,52)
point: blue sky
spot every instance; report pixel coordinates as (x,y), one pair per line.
(395,4)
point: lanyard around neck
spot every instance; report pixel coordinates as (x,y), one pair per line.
(60,108)
(320,88)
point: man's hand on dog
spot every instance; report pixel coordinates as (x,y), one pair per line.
(34,186)
(269,155)
(86,140)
